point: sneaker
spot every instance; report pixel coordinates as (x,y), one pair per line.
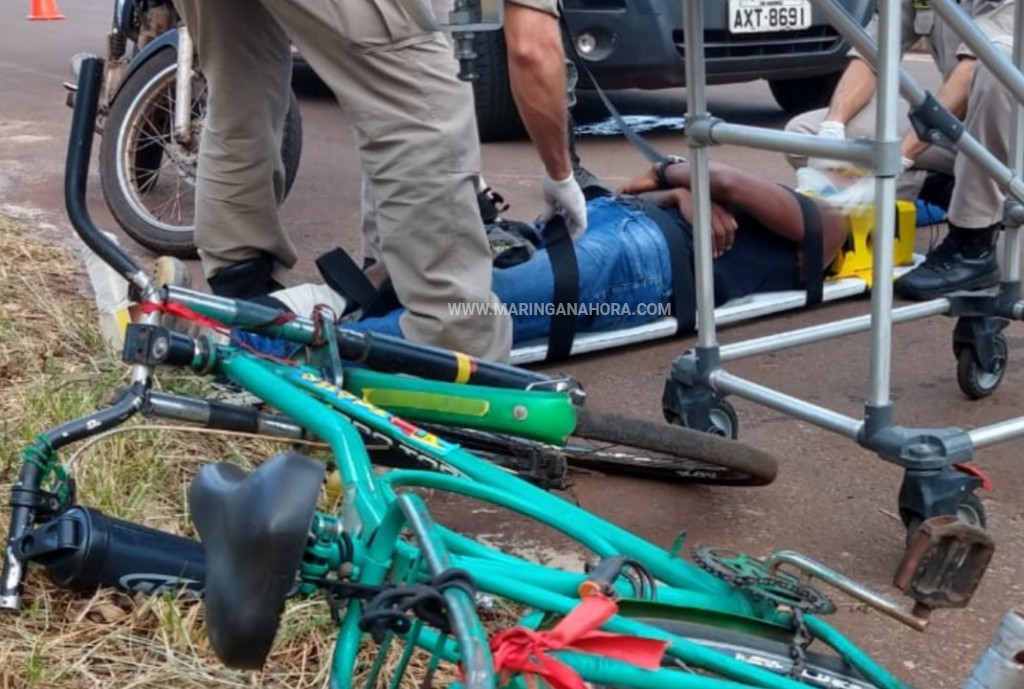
(948,269)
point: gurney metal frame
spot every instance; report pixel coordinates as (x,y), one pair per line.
(934,483)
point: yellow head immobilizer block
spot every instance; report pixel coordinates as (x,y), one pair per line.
(856,258)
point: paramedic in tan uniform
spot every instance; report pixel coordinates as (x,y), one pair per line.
(416,130)
(537,75)
(966,259)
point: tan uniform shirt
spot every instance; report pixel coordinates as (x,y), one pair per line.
(994,17)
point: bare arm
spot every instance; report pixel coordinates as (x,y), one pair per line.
(853,92)
(953,94)
(536,66)
(773,206)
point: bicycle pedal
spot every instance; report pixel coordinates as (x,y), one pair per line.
(944,563)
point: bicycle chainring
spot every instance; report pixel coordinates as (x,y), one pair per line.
(751,575)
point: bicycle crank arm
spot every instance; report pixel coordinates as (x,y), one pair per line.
(855,590)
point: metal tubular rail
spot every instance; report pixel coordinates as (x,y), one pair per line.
(702,366)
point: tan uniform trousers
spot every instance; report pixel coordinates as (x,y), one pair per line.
(370,232)
(415,127)
(977,200)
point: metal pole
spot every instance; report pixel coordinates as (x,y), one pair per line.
(826,331)
(861,40)
(886,133)
(997,432)
(982,46)
(1012,240)
(812,413)
(700,183)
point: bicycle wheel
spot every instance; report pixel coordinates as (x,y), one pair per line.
(622,446)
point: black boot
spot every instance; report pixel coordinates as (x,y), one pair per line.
(965,260)
(246,279)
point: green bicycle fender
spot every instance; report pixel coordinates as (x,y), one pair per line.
(542,415)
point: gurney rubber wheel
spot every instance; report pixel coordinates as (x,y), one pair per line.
(975,381)
(724,421)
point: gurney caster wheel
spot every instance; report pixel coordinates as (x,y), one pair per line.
(980,379)
(724,421)
(721,421)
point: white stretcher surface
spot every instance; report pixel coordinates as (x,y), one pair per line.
(735,311)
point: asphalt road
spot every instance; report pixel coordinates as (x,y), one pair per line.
(832,500)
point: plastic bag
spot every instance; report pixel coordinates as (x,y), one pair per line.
(111,291)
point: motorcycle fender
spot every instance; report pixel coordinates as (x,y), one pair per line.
(166,40)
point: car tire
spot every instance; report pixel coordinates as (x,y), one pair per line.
(496,113)
(797,96)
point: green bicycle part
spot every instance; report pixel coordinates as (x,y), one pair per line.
(689,652)
(849,651)
(409,511)
(753,576)
(542,415)
(368,500)
(605,539)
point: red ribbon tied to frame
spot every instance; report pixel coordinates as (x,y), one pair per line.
(525,650)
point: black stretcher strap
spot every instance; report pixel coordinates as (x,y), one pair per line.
(634,138)
(346,278)
(684,293)
(813,247)
(566,281)
(343,276)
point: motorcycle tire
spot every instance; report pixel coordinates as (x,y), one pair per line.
(131,167)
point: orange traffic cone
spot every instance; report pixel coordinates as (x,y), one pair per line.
(44,9)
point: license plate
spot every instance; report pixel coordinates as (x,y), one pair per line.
(765,16)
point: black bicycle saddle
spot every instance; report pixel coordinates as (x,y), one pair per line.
(253,527)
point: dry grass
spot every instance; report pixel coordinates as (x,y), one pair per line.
(53,368)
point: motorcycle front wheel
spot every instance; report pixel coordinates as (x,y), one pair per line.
(147,176)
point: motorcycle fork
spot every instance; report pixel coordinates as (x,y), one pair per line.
(183,89)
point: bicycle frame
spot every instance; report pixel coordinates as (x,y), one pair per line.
(374,509)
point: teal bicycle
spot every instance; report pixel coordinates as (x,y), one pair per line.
(397,580)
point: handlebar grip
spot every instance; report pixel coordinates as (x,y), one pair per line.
(76,171)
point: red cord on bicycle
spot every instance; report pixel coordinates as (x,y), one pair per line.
(519,649)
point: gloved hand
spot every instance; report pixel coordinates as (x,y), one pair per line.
(567,198)
(830,129)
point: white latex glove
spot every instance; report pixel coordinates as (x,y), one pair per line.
(829,130)
(567,198)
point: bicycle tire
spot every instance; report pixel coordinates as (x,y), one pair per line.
(821,671)
(686,455)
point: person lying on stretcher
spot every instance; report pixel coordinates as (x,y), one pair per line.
(624,263)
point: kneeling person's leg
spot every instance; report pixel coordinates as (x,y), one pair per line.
(416,130)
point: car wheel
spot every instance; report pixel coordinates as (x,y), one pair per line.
(797,96)
(496,113)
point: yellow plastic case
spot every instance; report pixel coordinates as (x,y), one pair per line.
(856,258)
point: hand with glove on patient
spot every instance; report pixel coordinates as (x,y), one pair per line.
(842,183)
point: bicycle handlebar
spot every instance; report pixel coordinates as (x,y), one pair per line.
(76,176)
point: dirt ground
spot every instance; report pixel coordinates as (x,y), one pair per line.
(833,500)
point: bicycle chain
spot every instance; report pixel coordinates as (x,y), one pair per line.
(798,646)
(759,583)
